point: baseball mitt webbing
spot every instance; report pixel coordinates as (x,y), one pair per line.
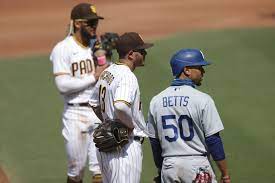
(111,135)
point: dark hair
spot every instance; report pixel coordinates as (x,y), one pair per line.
(122,55)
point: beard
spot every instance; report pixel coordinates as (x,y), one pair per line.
(86,35)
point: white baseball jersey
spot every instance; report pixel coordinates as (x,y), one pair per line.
(119,84)
(181,117)
(72,58)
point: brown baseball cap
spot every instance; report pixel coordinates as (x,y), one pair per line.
(131,41)
(84,11)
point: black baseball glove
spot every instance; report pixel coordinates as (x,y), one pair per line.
(157,178)
(108,41)
(111,135)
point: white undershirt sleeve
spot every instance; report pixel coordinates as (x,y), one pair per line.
(124,113)
(67,84)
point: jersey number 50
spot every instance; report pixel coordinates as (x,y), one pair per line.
(180,120)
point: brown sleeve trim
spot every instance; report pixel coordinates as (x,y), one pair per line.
(61,73)
(125,102)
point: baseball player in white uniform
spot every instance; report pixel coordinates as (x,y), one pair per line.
(184,125)
(119,98)
(75,76)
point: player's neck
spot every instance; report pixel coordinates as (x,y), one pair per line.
(128,63)
(183,76)
(79,40)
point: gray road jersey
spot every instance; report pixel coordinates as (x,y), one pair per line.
(181,117)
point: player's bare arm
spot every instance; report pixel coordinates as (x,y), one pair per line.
(215,146)
(222,165)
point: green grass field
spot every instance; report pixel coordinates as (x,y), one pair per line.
(240,81)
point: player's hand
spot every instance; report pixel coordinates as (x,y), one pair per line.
(225,179)
(99,69)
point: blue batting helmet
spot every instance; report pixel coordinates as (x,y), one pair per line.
(186,57)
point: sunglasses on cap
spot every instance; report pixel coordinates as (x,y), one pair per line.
(141,51)
(90,23)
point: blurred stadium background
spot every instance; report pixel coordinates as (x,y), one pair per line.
(237,36)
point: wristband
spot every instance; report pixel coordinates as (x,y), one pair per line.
(101,60)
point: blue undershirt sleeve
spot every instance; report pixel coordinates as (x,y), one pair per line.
(215,147)
(156,149)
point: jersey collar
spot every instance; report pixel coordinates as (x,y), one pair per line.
(119,63)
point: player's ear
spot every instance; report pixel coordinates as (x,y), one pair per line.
(186,71)
(131,55)
(77,24)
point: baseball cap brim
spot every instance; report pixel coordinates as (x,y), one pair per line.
(145,46)
(93,17)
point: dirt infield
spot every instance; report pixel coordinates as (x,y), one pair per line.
(33,27)
(3,176)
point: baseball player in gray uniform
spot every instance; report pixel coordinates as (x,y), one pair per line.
(119,98)
(75,76)
(184,125)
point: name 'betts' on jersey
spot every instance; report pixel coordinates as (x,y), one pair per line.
(70,57)
(181,117)
(118,83)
